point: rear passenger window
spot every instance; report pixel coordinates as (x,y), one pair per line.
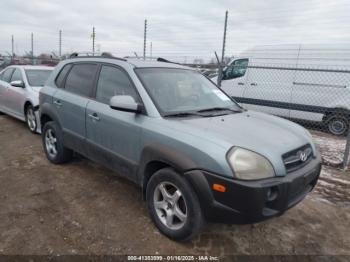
(62,75)
(7,75)
(80,79)
(113,82)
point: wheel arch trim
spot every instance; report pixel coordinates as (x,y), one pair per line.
(162,156)
(46,109)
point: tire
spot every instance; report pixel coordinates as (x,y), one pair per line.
(31,121)
(337,124)
(187,202)
(53,146)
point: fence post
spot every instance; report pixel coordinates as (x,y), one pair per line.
(12,48)
(32,48)
(222,51)
(60,44)
(144,40)
(218,61)
(93,40)
(346,152)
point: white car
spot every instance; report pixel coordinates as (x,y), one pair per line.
(305,82)
(19,93)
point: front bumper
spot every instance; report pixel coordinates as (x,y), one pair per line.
(252,201)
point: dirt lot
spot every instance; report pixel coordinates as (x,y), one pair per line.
(81,208)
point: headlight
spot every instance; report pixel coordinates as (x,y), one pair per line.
(248,165)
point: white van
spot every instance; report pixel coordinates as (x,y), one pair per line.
(306,82)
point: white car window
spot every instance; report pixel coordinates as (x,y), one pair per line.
(17,75)
(6,75)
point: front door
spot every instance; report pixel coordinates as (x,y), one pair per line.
(114,136)
(234,78)
(16,95)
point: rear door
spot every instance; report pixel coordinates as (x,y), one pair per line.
(113,136)
(71,101)
(4,87)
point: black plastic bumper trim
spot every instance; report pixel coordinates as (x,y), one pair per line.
(249,201)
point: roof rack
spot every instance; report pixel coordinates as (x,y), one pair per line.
(97,55)
(160,59)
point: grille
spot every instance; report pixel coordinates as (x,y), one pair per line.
(297,158)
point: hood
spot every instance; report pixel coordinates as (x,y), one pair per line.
(267,135)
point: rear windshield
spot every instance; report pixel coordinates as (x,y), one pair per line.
(37,77)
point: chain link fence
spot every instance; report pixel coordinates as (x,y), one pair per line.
(25,60)
(316,96)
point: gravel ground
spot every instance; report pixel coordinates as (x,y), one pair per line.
(82,208)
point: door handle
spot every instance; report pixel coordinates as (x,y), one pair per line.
(57,103)
(240,83)
(94,116)
(253,84)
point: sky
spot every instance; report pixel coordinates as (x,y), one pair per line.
(179,30)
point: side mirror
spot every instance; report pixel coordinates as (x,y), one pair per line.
(18,83)
(223,77)
(125,103)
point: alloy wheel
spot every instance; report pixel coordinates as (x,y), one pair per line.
(170,205)
(31,120)
(51,143)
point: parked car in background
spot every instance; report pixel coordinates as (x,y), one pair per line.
(196,154)
(19,92)
(305,82)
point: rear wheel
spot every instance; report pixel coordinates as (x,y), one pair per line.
(337,124)
(31,119)
(53,144)
(173,205)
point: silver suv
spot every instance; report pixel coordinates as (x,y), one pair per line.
(197,155)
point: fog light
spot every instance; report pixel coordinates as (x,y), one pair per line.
(272,193)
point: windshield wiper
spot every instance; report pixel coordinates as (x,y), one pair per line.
(219,109)
(183,114)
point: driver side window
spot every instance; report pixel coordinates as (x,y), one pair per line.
(17,75)
(113,81)
(236,69)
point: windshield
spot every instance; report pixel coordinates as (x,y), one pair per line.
(180,91)
(37,77)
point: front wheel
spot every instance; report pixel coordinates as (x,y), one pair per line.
(52,141)
(31,119)
(173,205)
